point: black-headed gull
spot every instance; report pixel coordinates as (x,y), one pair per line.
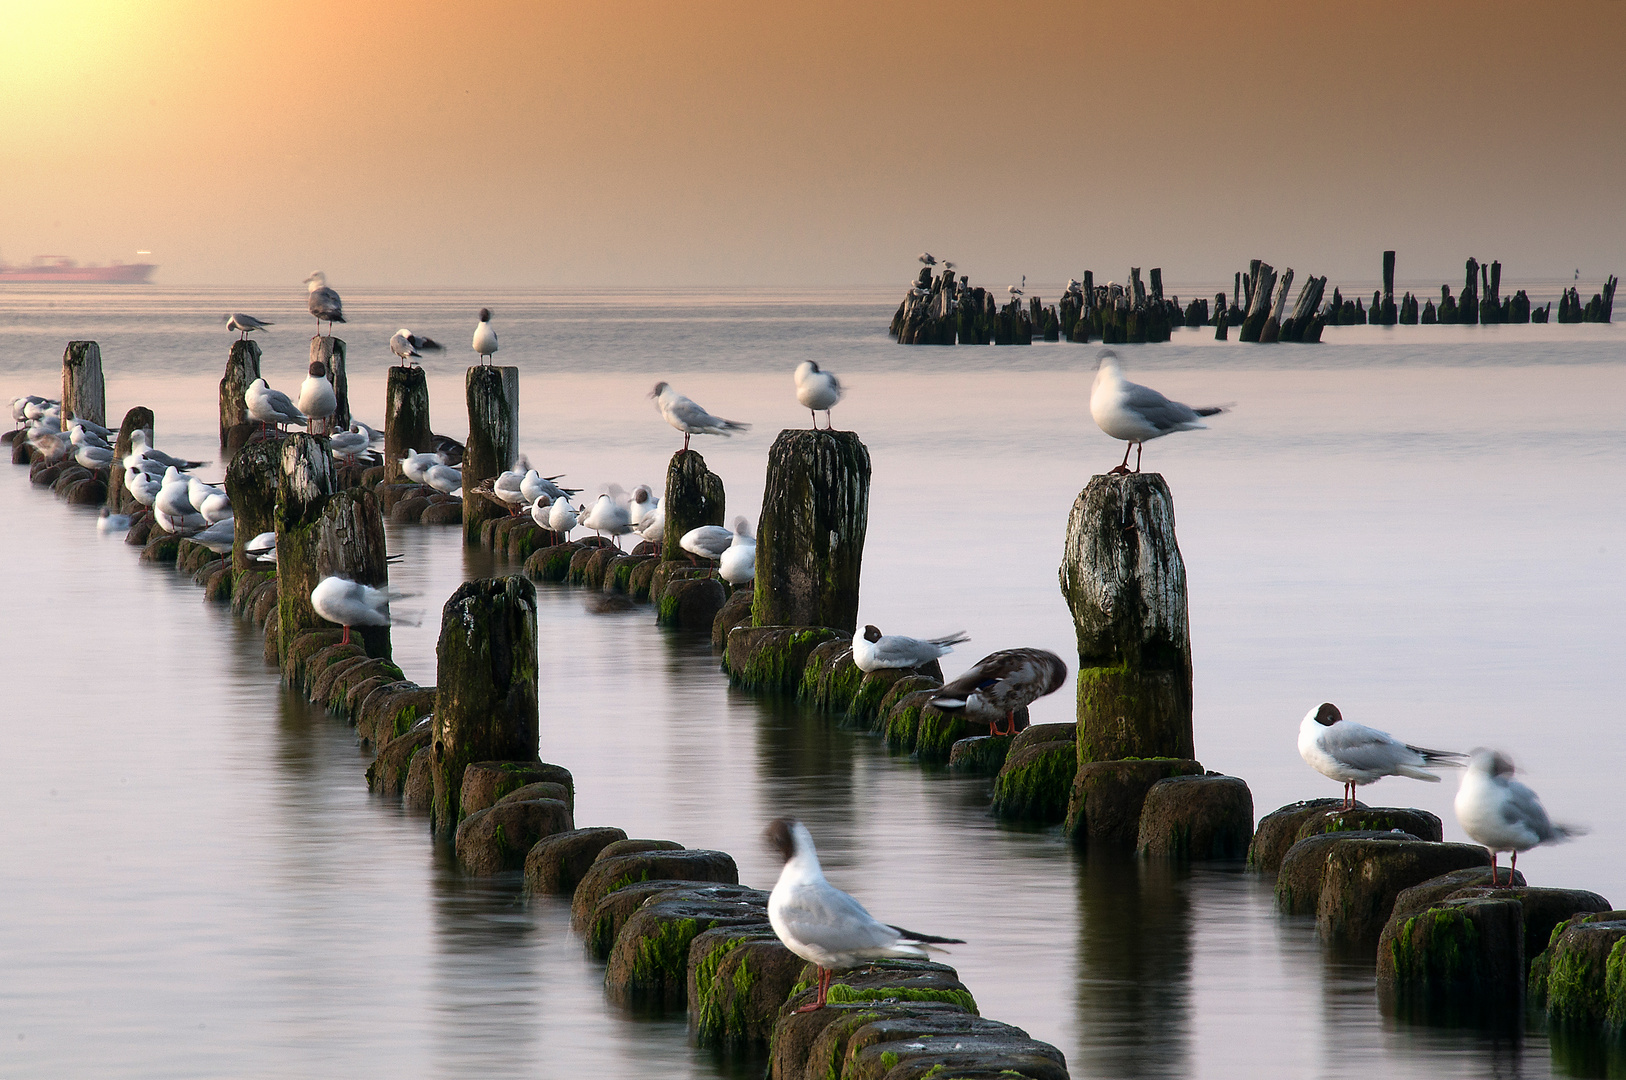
(262,548)
(317,399)
(414,465)
(485,338)
(1136,413)
(1354,754)
(109,522)
(324,302)
(350,603)
(561,517)
(444,479)
(244,324)
(689,418)
(271,407)
(1502,814)
(818,391)
(347,444)
(643,502)
(608,517)
(706,541)
(1000,683)
(406,345)
(873,650)
(825,926)
(738,565)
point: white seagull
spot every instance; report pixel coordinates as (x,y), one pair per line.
(1000,683)
(244,324)
(707,541)
(608,516)
(873,650)
(262,548)
(347,444)
(690,418)
(349,603)
(818,391)
(109,522)
(561,517)
(415,465)
(405,344)
(738,565)
(271,407)
(823,925)
(444,479)
(485,338)
(1354,754)
(1502,814)
(644,502)
(1135,413)
(317,399)
(324,302)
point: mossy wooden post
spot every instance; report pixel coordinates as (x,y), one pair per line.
(84,394)
(493,446)
(406,419)
(242,368)
(810,538)
(694,497)
(330,351)
(252,480)
(305,484)
(1125,583)
(350,544)
(119,499)
(485,686)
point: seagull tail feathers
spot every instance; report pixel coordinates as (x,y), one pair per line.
(1446,759)
(1213,410)
(959,637)
(926,939)
(1417,774)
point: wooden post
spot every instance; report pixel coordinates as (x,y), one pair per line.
(252,479)
(485,686)
(305,483)
(330,351)
(242,368)
(84,394)
(119,499)
(810,543)
(1261,282)
(406,419)
(1468,307)
(350,544)
(1271,331)
(1125,583)
(694,497)
(493,446)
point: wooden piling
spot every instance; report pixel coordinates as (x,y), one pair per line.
(1261,282)
(810,543)
(485,686)
(1271,331)
(1125,583)
(252,480)
(119,499)
(350,544)
(694,497)
(305,483)
(84,393)
(242,368)
(406,419)
(330,351)
(493,446)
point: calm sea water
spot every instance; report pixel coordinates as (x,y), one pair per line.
(1423,525)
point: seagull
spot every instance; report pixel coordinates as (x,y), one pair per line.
(928,258)
(270,406)
(738,565)
(708,541)
(536,484)
(1502,814)
(561,517)
(218,536)
(818,391)
(109,522)
(539,509)
(1355,754)
(652,527)
(244,324)
(316,397)
(1135,413)
(175,497)
(873,650)
(176,523)
(608,516)
(140,447)
(142,487)
(505,488)
(644,503)
(485,338)
(414,465)
(94,457)
(690,418)
(262,548)
(349,603)
(444,479)
(823,925)
(374,436)
(347,444)
(405,344)
(324,302)
(1000,683)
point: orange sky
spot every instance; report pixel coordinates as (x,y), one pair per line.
(622,143)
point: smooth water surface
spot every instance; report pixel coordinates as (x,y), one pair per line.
(1423,525)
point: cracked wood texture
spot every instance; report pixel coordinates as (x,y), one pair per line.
(242,368)
(305,484)
(84,394)
(350,544)
(406,419)
(694,497)
(493,446)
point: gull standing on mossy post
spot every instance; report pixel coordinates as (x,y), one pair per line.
(817,391)
(317,400)
(690,418)
(1502,814)
(873,650)
(1136,413)
(1355,754)
(324,302)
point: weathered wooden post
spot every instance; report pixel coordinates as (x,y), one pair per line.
(330,351)
(1261,281)
(485,686)
(119,499)
(305,483)
(406,419)
(493,446)
(242,368)
(1125,584)
(810,542)
(350,544)
(84,394)
(1272,329)
(694,497)
(252,480)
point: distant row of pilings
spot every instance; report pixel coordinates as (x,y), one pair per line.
(943,309)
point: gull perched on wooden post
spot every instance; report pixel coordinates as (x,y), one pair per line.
(1502,814)
(1136,413)
(690,418)
(817,391)
(405,344)
(244,324)
(324,302)
(485,338)
(1354,754)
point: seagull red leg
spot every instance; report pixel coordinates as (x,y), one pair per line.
(1512,868)
(346,639)
(818,1001)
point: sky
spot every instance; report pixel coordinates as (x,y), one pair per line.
(535,145)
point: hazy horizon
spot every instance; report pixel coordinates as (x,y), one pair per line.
(725,144)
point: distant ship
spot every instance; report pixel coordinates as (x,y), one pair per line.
(61,270)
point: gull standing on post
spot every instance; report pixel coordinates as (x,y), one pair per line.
(823,925)
(818,391)
(608,516)
(270,406)
(708,541)
(350,603)
(317,399)
(1355,754)
(244,324)
(324,302)
(1136,413)
(873,650)
(1001,683)
(738,564)
(1502,814)
(485,338)
(405,344)
(690,418)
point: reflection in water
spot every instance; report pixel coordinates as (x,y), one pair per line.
(1134,967)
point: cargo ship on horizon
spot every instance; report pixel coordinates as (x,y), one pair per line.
(62,270)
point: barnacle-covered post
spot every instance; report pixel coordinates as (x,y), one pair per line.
(242,368)
(330,351)
(810,542)
(84,394)
(305,484)
(350,544)
(493,446)
(119,499)
(694,497)
(406,419)
(485,686)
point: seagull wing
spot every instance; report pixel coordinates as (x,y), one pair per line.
(823,916)
(1361,747)
(1521,807)
(1159,411)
